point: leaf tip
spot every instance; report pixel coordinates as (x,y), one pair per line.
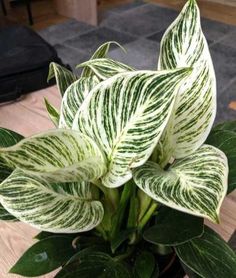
(215,218)
(51,73)
(12,270)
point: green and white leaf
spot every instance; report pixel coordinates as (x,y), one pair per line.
(125,115)
(5,215)
(225,140)
(58,155)
(52,112)
(105,68)
(184,45)
(64,77)
(101,52)
(60,208)
(73,99)
(7,138)
(196,184)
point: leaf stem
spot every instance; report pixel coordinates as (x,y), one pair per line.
(147,215)
(119,215)
(111,194)
(125,255)
(144,203)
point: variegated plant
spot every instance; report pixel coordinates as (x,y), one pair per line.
(126,142)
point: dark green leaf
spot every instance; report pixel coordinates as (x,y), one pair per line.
(81,242)
(174,227)
(120,238)
(230,126)
(189,272)
(225,140)
(7,138)
(44,256)
(209,256)
(94,264)
(43,235)
(144,265)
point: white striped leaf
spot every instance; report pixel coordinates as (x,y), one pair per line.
(60,208)
(73,98)
(196,184)
(105,68)
(7,139)
(126,115)
(58,155)
(5,215)
(52,112)
(64,77)
(101,52)
(184,45)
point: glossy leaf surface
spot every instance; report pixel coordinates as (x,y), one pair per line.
(94,264)
(208,256)
(174,228)
(58,208)
(125,115)
(196,184)
(224,138)
(58,155)
(184,45)
(44,256)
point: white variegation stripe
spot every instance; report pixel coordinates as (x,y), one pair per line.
(101,52)
(184,45)
(60,208)
(196,184)
(126,115)
(64,77)
(58,155)
(52,112)
(105,68)
(73,98)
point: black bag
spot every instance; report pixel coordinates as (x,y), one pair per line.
(24,62)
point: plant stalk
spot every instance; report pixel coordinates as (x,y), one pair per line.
(147,215)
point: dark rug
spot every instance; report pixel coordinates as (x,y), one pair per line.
(139,28)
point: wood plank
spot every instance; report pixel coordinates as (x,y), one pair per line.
(224,2)
(227,218)
(81,10)
(28,116)
(215,11)
(15,239)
